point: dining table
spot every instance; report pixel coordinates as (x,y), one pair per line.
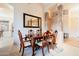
(34,39)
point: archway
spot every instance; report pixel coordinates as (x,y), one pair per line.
(6,20)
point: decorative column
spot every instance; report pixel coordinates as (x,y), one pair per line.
(60,7)
(60,25)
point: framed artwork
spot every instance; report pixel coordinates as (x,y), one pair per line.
(31,21)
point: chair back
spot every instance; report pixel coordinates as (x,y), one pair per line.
(38,33)
(20,38)
(31,33)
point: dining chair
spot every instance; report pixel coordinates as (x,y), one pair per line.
(23,44)
(55,38)
(49,37)
(38,33)
(30,34)
(41,42)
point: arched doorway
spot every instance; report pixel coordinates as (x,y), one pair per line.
(6,20)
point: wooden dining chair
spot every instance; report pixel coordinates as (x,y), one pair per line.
(55,38)
(23,44)
(48,37)
(43,43)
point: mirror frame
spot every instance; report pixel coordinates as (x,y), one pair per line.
(26,26)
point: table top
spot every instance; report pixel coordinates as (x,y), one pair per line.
(38,37)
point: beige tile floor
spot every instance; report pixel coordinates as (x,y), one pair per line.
(69,48)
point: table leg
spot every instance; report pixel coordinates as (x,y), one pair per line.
(33,46)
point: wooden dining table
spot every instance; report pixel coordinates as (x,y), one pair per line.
(33,40)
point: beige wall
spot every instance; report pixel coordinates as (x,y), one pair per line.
(71,21)
(66,21)
(74,19)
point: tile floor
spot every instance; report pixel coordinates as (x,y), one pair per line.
(69,48)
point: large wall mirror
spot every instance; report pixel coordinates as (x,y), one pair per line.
(31,21)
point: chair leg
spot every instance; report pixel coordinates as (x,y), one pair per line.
(23,52)
(52,45)
(43,51)
(48,47)
(20,49)
(33,46)
(55,45)
(33,51)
